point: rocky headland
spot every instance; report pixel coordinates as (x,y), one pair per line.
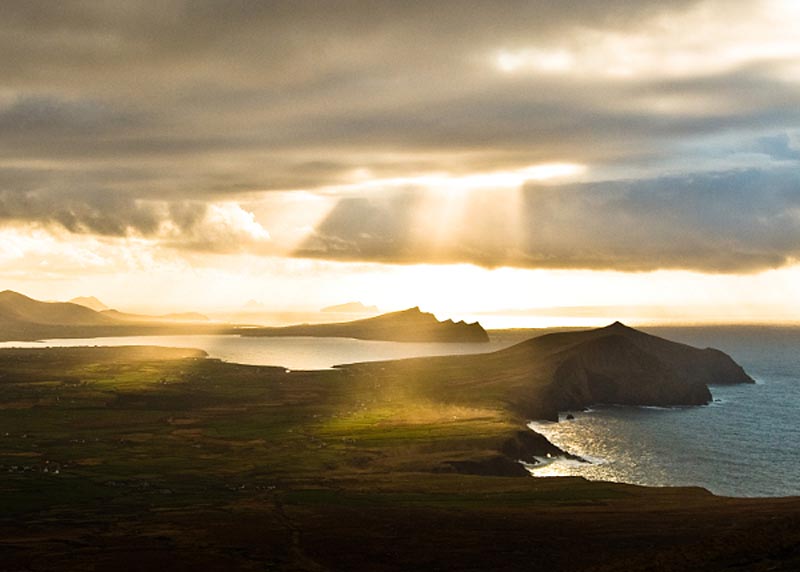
(412,325)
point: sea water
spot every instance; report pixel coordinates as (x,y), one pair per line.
(745,443)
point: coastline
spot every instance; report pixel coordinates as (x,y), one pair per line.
(638,445)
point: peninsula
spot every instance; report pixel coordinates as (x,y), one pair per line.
(412,325)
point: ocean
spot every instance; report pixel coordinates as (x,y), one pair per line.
(746,443)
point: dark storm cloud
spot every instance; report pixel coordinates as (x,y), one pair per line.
(121,117)
(718,222)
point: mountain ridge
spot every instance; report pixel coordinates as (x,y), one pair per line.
(24,318)
(18,308)
(410,325)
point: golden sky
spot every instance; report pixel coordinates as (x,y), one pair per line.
(464,156)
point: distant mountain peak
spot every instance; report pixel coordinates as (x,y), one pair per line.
(10,294)
(414,310)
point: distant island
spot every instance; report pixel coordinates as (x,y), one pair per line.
(412,325)
(351,308)
(89,302)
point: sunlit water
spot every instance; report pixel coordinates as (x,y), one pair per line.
(747,443)
(297,353)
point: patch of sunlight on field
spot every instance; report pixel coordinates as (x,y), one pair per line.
(399,420)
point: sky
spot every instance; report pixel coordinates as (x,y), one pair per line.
(467,157)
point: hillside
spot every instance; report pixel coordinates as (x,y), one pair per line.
(410,325)
(23,318)
(572,370)
(18,309)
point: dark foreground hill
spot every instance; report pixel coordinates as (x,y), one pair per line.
(410,325)
(135,459)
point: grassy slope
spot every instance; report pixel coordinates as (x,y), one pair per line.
(165,458)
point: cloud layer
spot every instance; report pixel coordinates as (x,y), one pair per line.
(740,221)
(176,123)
